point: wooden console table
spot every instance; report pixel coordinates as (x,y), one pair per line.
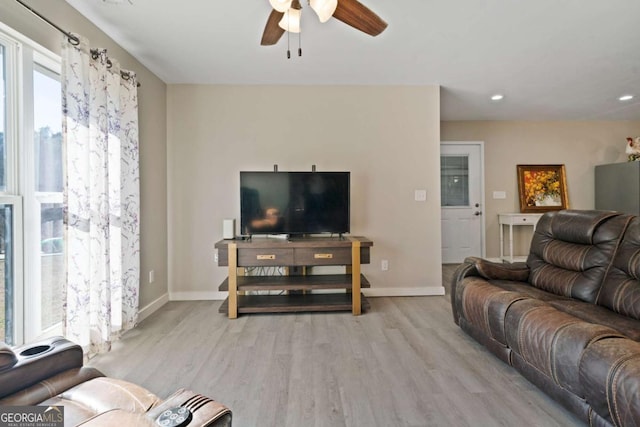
(237,255)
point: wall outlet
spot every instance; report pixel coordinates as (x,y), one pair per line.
(152,276)
(215,257)
(384,264)
(420,195)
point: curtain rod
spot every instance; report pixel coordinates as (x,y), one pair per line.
(72,39)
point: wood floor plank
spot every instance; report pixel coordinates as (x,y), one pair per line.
(402,363)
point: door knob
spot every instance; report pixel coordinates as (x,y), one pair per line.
(477,213)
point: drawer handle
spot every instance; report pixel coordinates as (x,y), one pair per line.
(263,257)
(323,256)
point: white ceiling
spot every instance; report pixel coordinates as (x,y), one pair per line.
(552,59)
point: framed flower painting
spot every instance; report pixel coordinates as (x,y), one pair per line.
(542,188)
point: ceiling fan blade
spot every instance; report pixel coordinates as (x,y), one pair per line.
(360,17)
(272,31)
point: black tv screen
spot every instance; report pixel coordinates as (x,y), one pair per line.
(294,202)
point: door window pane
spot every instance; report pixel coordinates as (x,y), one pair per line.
(47,116)
(454,181)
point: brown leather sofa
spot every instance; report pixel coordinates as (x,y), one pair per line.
(569,318)
(51,373)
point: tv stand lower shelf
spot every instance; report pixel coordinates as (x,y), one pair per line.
(294,293)
(293,303)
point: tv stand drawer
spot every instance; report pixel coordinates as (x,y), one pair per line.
(323,256)
(249,257)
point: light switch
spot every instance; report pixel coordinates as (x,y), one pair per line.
(420,195)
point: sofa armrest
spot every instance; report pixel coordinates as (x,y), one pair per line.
(7,357)
(517,271)
(120,417)
(488,270)
(466,269)
(37,362)
(206,412)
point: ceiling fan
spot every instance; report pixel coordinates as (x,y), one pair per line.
(285,16)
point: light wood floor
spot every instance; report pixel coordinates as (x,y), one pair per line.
(403,363)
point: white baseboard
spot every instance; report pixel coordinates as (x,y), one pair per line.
(404,292)
(152,307)
(198,296)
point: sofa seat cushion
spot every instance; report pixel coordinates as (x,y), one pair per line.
(601,316)
(552,341)
(74,412)
(526,289)
(485,305)
(103,394)
(610,374)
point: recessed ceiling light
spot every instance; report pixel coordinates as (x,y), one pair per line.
(626,98)
(497,97)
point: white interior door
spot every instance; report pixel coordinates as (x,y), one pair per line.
(461,193)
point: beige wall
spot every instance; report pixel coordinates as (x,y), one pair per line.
(578,145)
(152,111)
(388,137)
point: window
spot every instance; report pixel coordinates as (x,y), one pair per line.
(31,185)
(47,192)
(3,118)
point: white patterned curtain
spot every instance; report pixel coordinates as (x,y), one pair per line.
(101,196)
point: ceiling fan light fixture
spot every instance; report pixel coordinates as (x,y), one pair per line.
(324,8)
(280,5)
(291,20)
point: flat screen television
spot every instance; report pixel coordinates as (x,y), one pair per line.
(294,202)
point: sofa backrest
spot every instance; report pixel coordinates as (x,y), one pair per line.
(571,251)
(620,291)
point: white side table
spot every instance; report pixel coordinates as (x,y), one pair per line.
(513,220)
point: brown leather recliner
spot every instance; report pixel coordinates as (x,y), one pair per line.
(569,318)
(51,373)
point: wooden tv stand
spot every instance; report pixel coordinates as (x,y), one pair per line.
(297,253)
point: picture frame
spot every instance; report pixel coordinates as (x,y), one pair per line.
(542,188)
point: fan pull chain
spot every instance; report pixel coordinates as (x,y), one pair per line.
(288,38)
(300,43)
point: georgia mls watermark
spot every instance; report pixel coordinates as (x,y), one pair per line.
(31,416)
